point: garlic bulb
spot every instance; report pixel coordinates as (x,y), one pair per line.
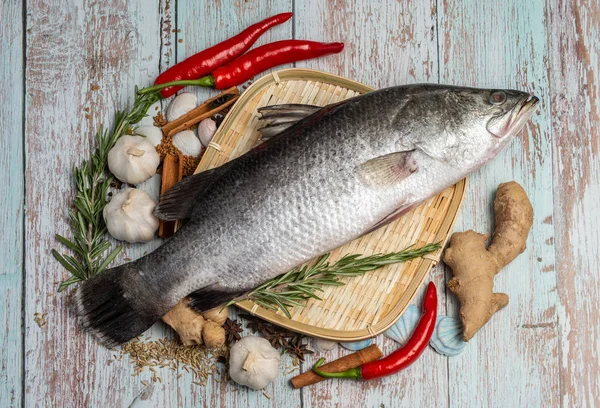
(187,142)
(182,104)
(206,131)
(151,133)
(129,217)
(253,362)
(133,159)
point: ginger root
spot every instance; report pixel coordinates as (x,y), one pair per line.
(474,266)
(196,328)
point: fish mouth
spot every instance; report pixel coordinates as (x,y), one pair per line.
(511,122)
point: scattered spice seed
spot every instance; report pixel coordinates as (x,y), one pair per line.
(197,360)
(95,87)
(266,395)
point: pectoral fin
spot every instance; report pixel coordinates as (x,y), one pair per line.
(388,170)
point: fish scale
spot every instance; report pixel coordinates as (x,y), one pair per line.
(331,177)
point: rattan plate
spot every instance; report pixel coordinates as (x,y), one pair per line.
(366,305)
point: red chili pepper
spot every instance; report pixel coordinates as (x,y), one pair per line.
(206,61)
(265,57)
(401,358)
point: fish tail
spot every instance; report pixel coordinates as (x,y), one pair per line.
(116,306)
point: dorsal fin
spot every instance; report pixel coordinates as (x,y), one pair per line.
(281,117)
(177,203)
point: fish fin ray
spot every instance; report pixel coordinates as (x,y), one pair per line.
(388,170)
(281,117)
(271,130)
(177,203)
(212,296)
(103,307)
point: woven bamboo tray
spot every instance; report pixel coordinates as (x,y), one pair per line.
(366,305)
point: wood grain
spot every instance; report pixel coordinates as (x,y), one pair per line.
(11,202)
(83,61)
(386,44)
(506,48)
(574,30)
(542,350)
(203,26)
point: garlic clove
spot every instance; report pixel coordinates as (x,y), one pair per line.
(152,133)
(129,216)
(187,143)
(182,104)
(133,159)
(206,130)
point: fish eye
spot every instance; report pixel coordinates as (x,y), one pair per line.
(497,98)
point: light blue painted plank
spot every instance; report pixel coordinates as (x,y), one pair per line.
(387,43)
(512,360)
(574,59)
(203,25)
(83,61)
(11,202)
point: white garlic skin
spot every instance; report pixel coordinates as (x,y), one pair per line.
(129,217)
(133,159)
(187,143)
(151,133)
(253,362)
(206,131)
(182,104)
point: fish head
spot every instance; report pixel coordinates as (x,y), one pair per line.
(469,126)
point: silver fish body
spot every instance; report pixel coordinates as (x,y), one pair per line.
(320,183)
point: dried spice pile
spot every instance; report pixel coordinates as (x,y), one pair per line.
(200,361)
(284,340)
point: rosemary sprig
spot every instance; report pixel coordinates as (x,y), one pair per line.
(88,244)
(92,180)
(300,284)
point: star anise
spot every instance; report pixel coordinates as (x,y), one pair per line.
(278,340)
(232,330)
(254,324)
(297,349)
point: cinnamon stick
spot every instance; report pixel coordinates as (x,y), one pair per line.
(172,173)
(353,360)
(200,112)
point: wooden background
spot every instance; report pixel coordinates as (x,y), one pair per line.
(65,66)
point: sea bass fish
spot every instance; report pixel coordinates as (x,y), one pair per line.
(335,174)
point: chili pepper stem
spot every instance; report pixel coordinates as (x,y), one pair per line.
(207,81)
(353,373)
